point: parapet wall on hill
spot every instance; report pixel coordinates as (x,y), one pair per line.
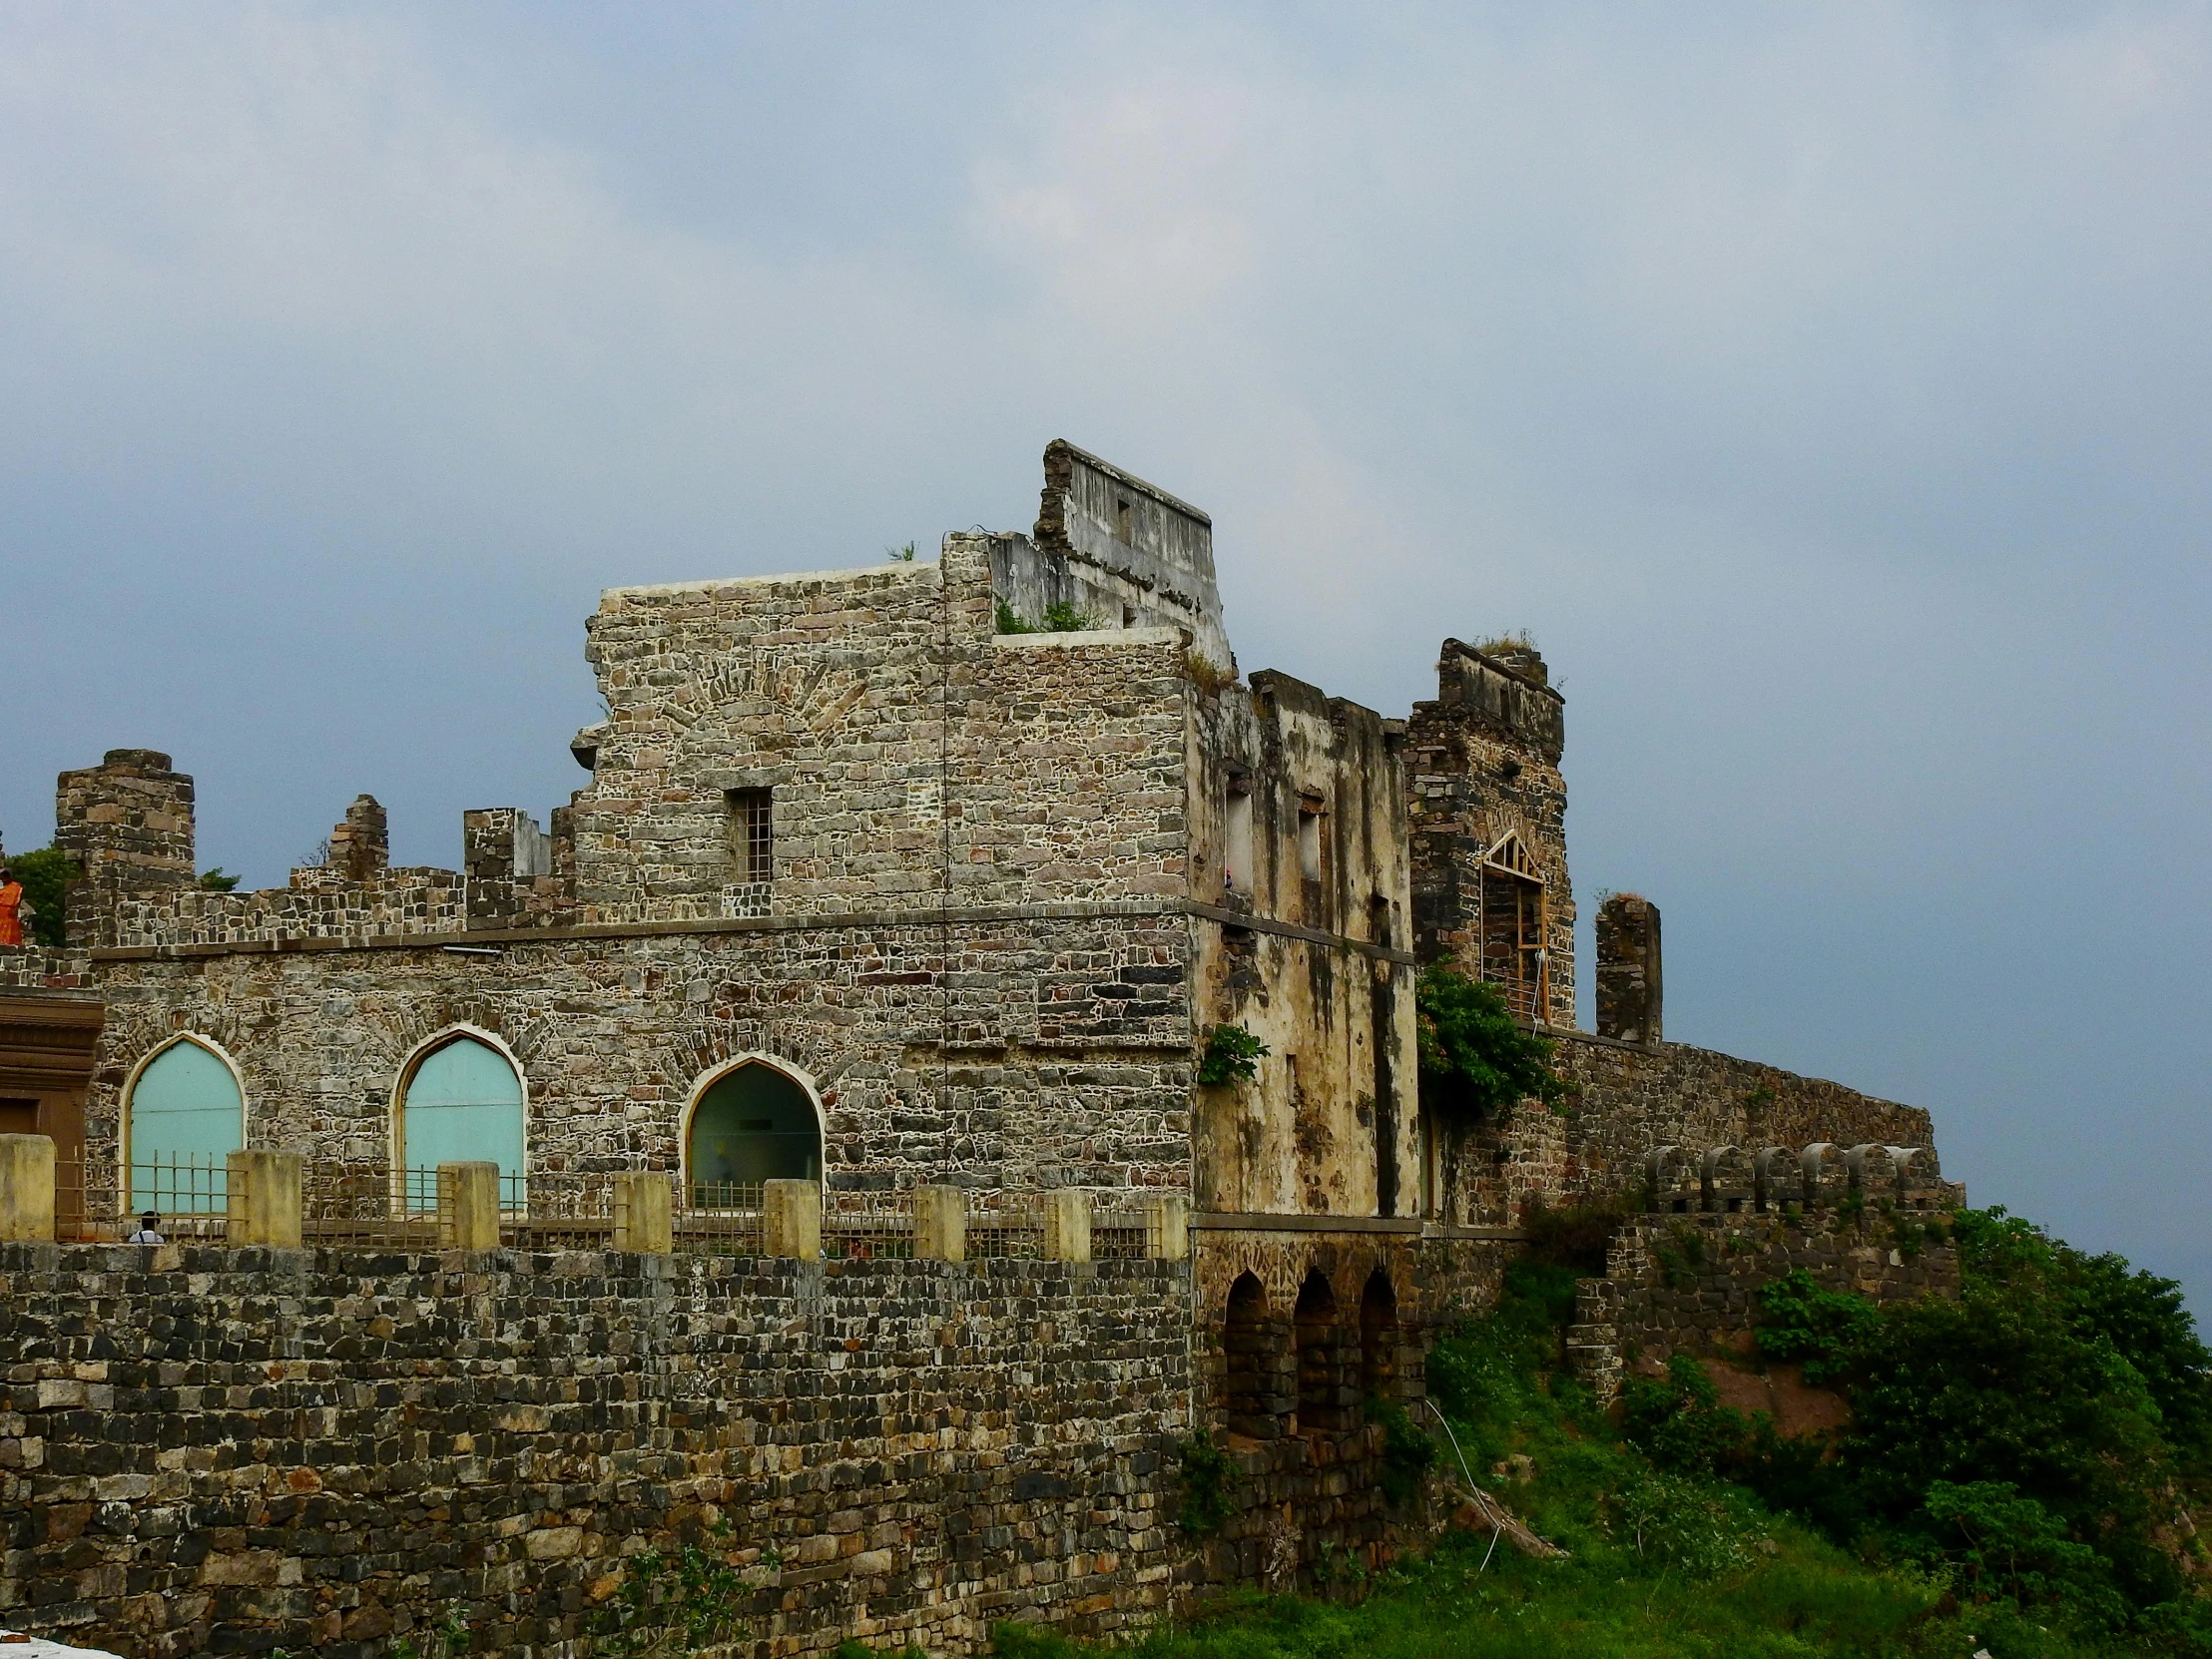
(1690,1284)
(1625,1101)
(209,1451)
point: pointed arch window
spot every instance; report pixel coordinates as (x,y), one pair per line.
(462,1103)
(752,1124)
(1517,926)
(184,1112)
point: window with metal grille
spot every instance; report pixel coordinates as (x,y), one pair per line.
(752,836)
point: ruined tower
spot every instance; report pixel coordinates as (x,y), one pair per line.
(1488,810)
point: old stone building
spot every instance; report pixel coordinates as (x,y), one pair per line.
(945,873)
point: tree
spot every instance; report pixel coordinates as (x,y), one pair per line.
(45,874)
(1475,1057)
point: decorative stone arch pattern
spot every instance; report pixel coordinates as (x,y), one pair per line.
(1282,1263)
(703,1090)
(204,1134)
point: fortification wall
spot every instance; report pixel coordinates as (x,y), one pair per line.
(205,1450)
(1626,1099)
(1690,1284)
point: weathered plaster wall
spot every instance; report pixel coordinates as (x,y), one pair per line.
(1317,973)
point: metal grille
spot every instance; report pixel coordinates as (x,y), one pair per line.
(557,1210)
(752,834)
(98,1203)
(721,1219)
(1006,1225)
(365,1203)
(855,1225)
(1123,1233)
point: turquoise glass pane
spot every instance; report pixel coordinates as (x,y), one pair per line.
(187,1116)
(754,1125)
(464,1105)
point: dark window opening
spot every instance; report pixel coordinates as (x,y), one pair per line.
(1324,1404)
(1123,521)
(1255,1396)
(752,834)
(1378,1338)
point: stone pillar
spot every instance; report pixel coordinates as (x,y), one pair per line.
(1168,1235)
(1629,986)
(791,1218)
(265,1199)
(360,844)
(468,1206)
(1067,1225)
(127,823)
(940,1223)
(644,1213)
(26,1189)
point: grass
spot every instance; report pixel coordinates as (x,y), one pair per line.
(1662,1565)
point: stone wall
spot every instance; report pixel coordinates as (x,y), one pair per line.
(1625,1100)
(1690,1284)
(1041,1051)
(210,1451)
(1482,761)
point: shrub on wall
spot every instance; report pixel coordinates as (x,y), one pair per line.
(1475,1057)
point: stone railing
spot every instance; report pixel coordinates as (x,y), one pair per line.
(275,1199)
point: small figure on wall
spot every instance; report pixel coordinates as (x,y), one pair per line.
(14,910)
(148,1231)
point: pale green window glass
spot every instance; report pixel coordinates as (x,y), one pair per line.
(464,1105)
(186,1116)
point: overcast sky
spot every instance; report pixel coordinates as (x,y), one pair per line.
(1826,388)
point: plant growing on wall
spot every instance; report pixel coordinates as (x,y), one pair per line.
(1229,1055)
(674,1600)
(1475,1057)
(1209,1476)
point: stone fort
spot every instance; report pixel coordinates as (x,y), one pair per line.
(887,937)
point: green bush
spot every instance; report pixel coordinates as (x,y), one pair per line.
(1229,1055)
(1209,1477)
(1823,1329)
(46,874)
(1475,1057)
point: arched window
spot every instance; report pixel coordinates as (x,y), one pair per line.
(752,1124)
(184,1109)
(1378,1338)
(1320,1392)
(462,1103)
(1253,1391)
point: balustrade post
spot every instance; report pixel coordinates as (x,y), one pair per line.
(26,1189)
(644,1214)
(1067,1225)
(261,1192)
(940,1223)
(791,1218)
(468,1206)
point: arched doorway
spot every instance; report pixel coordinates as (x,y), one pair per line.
(754,1123)
(183,1115)
(461,1102)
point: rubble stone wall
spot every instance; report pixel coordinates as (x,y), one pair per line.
(1626,1099)
(1039,1051)
(210,1450)
(1690,1284)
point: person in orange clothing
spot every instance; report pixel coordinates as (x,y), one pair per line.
(11,907)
